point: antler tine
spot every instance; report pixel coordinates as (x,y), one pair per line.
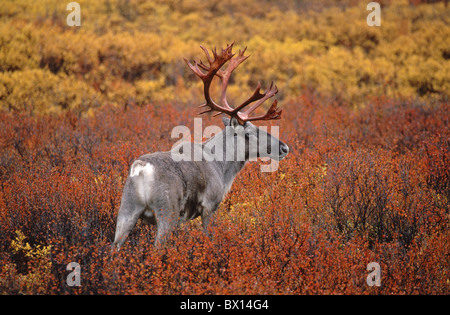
(225,74)
(207,54)
(255,96)
(272,114)
(271,91)
(214,69)
(194,68)
(203,66)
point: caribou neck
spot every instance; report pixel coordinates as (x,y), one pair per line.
(229,168)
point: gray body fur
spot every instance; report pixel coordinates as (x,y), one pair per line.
(166,193)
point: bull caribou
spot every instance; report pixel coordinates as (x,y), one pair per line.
(166,192)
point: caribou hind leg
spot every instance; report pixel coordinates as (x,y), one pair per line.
(167,219)
(166,222)
(147,198)
(126,220)
(134,201)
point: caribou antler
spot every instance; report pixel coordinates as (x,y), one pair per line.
(214,70)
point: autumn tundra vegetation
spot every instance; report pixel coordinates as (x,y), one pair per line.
(169,188)
(365,115)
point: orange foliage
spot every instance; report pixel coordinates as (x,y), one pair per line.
(358,186)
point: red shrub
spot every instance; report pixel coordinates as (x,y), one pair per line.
(358,186)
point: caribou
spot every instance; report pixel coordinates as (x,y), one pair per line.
(167,192)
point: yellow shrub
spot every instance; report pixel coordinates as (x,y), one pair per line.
(18,245)
(37,274)
(132,50)
(18,47)
(41,91)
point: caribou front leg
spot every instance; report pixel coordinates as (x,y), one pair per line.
(209,219)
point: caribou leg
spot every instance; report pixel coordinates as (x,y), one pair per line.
(126,220)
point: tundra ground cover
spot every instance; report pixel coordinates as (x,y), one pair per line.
(358,186)
(365,116)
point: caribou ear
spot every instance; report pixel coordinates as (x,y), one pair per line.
(234,122)
(226,121)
